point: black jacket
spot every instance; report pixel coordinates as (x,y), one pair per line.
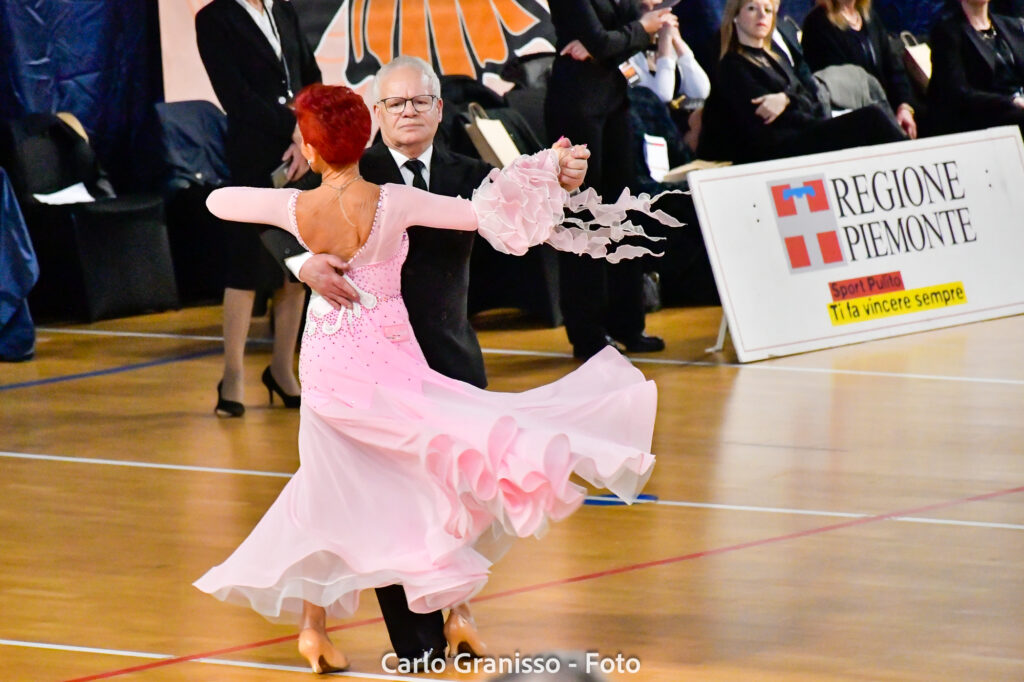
(435,277)
(611,31)
(825,44)
(789,30)
(749,73)
(252,83)
(962,91)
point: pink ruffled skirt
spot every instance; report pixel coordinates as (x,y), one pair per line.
(427,487)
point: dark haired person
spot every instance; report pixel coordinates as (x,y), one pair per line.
(587,101)
(407,476)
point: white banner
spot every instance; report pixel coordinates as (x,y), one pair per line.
(818,251)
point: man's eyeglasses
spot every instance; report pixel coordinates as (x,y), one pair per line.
(420,103)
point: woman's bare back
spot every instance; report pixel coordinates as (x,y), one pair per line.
(337,222)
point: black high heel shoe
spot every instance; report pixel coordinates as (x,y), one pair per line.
(227,408)
(273,387)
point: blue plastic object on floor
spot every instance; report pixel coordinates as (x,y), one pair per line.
(19,272)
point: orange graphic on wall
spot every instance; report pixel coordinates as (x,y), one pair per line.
(463,35)
(459,37)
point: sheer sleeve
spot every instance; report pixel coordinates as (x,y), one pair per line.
(254,205)
(409,206)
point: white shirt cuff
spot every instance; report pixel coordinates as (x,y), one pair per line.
(295,263)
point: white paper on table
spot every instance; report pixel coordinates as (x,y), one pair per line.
(656,155)
(75,194)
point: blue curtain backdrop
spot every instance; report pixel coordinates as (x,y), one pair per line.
(99,60)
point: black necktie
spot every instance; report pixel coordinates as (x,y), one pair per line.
(416,166)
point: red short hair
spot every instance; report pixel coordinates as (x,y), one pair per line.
(335,120)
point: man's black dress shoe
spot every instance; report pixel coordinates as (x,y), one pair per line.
(585,352)
(642,343)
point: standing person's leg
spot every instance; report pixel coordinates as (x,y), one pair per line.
(582,279)
(288,304)
(237,314)
(583,287)
(315,645)
(625,315)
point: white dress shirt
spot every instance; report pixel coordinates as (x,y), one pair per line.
(265,21)
(425,157)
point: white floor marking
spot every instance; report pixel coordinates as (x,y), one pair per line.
(207,661)
(666,503)
(633,358)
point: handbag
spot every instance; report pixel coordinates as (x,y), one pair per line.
(490,137)
(917,59)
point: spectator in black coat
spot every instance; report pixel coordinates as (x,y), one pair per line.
(977,69)
(602,304)
(256,58)
(850,32)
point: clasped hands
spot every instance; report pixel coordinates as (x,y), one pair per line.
(325,272)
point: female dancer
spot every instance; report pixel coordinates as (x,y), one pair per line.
(407,476)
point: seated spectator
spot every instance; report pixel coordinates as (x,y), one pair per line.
(850,32)
(770,111)
(840,87)
(977,69)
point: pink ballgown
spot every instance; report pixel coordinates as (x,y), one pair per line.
(407,476)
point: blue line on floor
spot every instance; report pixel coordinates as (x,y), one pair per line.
(112,370)
(614,501)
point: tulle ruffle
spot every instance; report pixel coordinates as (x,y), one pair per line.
(522,205)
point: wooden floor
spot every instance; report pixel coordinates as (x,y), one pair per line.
(849,514)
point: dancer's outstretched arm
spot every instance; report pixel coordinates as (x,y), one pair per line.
(252,205)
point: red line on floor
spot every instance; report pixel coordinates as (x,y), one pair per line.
(588,576)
